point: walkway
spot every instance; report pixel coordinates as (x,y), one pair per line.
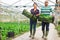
(52,35)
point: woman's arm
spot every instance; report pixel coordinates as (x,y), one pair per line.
(37,13)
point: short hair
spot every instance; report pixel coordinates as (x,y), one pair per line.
(35,3)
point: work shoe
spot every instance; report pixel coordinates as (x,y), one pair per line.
(42,36)
(32,37)
(45,38)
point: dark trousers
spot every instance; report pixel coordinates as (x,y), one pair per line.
(32,27)
(45,24)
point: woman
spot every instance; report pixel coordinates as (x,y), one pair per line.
(33,23)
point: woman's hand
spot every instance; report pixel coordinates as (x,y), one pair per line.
(37,15)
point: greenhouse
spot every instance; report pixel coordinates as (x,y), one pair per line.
(18,16)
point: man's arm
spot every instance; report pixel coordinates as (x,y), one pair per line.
(52,12)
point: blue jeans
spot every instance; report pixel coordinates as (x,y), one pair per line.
(32,27)
(45,24)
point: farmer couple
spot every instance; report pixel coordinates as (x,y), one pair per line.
(45,10)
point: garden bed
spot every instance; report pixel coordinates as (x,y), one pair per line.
(17,27)
(58,29)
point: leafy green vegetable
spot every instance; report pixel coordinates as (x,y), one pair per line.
(14,27)
(46,18)
(29,15)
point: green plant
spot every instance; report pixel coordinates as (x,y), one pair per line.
(29,15)
(13,27)
(17,28)
(59,22)
(58,30)
(43,17)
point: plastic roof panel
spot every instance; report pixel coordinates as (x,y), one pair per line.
(23,2)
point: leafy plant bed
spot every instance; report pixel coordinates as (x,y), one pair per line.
(17,27)
(58,30)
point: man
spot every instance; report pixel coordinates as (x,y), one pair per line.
(33,23)
(46,11)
